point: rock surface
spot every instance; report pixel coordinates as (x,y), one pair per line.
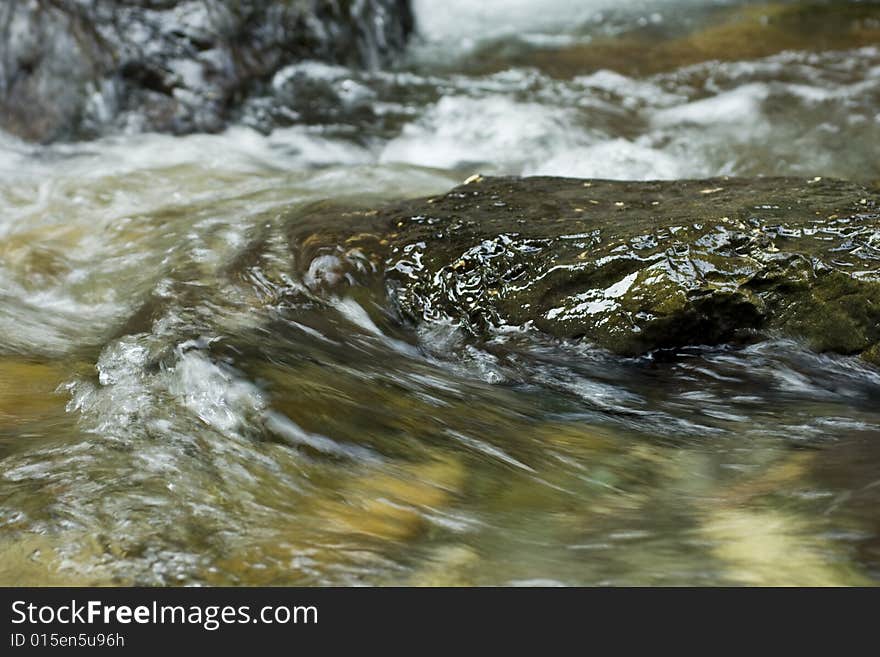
(76,68)
(634,267)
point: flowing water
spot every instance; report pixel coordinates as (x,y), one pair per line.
(176,406)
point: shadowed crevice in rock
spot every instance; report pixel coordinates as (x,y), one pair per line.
(74,69)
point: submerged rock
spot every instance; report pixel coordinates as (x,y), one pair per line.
(73,68)
(634,267)
(29,391)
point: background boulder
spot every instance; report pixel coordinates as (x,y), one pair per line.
(77,68)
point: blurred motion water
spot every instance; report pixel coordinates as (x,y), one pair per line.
(179,405)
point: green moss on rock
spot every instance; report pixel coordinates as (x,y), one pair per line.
(872,355)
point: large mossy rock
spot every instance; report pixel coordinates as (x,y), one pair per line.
(637,266)
(77,68)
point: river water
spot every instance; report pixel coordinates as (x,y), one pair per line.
(174,410)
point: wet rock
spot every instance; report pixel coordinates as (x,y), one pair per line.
(76,68)
(634,267)
(32,559)
(448,565)
(766,547)
(311,93)
(350,525)
(872,355)
(392,507)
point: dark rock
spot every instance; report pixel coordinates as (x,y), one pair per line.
(311,93)
(75,68)
(634,267)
